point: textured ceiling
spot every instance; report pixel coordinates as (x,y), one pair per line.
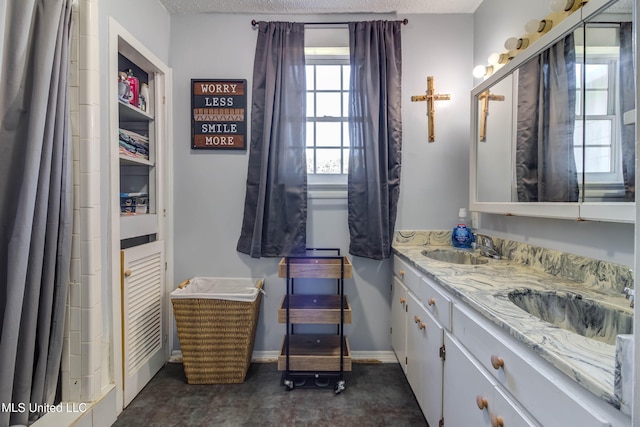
(280,7)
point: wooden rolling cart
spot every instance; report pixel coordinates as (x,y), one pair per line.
(313,356)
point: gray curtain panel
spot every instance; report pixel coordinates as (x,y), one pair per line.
(275,209)
(35,202)
(545,162)
(627,102)
(375,134)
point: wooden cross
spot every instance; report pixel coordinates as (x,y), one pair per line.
(430,97)
(485,97)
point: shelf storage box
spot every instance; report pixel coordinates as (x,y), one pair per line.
(314,309)
(216,320)
(315,267)
(314,352)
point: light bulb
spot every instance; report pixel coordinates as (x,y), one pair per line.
(482,71)
(494,58)
(557,6)
(532,26)
(535,26)
(513,43)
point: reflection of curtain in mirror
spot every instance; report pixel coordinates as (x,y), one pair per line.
(627,103)
(545,163)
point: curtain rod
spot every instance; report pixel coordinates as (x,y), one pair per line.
(405,21)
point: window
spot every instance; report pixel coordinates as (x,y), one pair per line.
(599,156)
(327,116)
(327,58)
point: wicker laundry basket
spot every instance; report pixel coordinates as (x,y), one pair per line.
(216,320)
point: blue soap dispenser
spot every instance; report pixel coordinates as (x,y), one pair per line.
(462,236)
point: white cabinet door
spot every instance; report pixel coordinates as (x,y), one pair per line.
(471,397)
(424,365)
(464,386)
(398,321)
(416,341)
(142,286)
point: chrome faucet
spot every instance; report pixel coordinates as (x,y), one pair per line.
(485,245)
(629,294)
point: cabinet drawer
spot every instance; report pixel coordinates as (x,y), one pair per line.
(436,302)
(535,384)
(314,309)
(407,274)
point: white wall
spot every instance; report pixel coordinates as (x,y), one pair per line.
(210,186)
(494,22)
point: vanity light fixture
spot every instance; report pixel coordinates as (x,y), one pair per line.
(430,97)
(514,43)
(538,26)
(480,71)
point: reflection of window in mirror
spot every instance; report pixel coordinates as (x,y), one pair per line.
(597,77)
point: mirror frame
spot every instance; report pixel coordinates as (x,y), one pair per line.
(588,211)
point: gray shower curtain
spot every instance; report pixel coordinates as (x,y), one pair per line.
(275,209)
(375,134)
(545,162)
(627,103)
(35,202)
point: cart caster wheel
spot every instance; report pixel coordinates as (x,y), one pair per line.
(339,387)
(322,382)
(289,384)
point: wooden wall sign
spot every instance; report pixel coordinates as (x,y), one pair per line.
(219,114)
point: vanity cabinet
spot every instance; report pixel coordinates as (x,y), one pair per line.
(417,335)
(535,385)
(466,370)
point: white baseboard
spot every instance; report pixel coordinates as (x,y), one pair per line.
(272,356)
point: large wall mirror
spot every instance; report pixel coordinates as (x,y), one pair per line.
(554,130)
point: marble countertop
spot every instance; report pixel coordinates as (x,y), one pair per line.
(485,288)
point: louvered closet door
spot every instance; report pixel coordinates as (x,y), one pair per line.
(143,309)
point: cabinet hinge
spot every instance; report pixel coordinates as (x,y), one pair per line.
(391,331)
(165,266)
(441,422)
(443,353)
(406,360)
(165,338)
(164,100)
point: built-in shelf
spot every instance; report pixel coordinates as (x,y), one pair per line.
(138,225)
(134,161)
(129,113)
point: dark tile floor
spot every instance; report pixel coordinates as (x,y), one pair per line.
(375,395)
